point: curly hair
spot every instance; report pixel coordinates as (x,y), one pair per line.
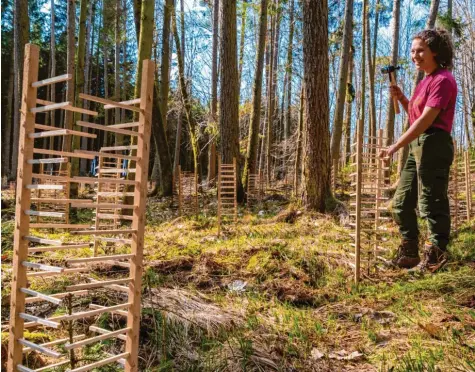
(439,41)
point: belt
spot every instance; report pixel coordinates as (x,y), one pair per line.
(434,130)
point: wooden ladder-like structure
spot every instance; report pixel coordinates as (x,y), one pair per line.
(27,265)
(368,212)
(187,192)
(255,189)
(462,188)
(227,192)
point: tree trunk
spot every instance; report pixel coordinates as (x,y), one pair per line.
(21,36)
(288,119)
(402,156)
(7,136)
(119,138)
(229,97)
(372,98)
(165,65)
(298,156)
(250,166)
(70,84)
(192,127)
(214,95)
(350,97)
(137,15)
(389,130)
(52,97)
(242,38)
(342,83)
(317,159)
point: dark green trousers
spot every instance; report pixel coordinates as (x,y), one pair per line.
(429,161)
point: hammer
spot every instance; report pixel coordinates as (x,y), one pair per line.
(392,81)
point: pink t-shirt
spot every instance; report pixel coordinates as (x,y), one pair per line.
(437,90)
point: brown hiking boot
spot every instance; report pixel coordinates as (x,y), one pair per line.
(407,254)
(434,258)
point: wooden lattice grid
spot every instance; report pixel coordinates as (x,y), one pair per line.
(187,192)
(227,192)
(29,247)
(255,189)
(368,203)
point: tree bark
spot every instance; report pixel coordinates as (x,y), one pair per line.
(342,82)
(389,130)
(70,84)
(372,98)
(350,97)
(7,135)
(229,97)
(290,50)
(165,65)
(298,156)
(21,36)
(214,95)
(242,38)
(119,138)
(250,166)
(316,162)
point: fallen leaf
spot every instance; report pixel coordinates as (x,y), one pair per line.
(317,354)
(433,330)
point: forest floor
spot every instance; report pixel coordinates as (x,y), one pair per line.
(275,292)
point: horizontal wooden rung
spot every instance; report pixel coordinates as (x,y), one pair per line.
(61,132)
(103,180)
(108,155)
(100,363)
(51,273)
(30,300)
(58,247)
(42,321)
(51,107)
(58,226)
(91,340)
(47,161)
(37,239)
(89,313)
(104,232)
(112,104)
(53,366)
(114,240)
(30,212)
(39,266)
(119,148)
(39,348)
(110,216)
(55,342)
(133,124)
(53,80)
(116,170)
(99,258)
(63,153)
(56,301)
(106,331)
(134,101)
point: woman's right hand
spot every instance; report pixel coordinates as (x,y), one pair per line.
(396,92)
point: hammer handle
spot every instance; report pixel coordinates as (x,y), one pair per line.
(395,101)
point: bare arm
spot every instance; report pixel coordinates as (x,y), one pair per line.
(416,129)
(397,92)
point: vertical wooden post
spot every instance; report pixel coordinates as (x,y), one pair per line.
(23,198)
(67,193)
(468,190)
(359,160)
(180,192)
(379,181)
(98,201)
(138,223)
(196,193)
(219,194)
(38,194)
(235,188)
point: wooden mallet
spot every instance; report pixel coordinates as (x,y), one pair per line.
(392,81)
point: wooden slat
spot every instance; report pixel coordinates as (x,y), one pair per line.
(103,180)
(22,368)
(39,348)
(134,101)
(39,266)
(58,226)
(37,239)
(100,363)
(133,124)
(60,201)
(42,321)
(53,80)
(58,247)
(89,313)
(30,300)
(69,108)
(104,101)
(42,296)
(63,153)
(104,232)
(91,340)
(52,366)
(106,128)
(48,161)
(61,132)
(97,284)
(30,212)
(99,258)
(51,107)
(56,342)
(50,273)
(119,148)
(106,331)
(108,155)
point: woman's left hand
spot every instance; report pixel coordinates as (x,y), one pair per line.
(386,153)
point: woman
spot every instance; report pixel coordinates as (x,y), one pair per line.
(431,114)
